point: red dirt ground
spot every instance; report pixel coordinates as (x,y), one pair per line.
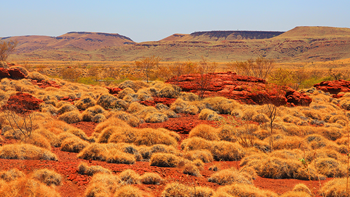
(75,184)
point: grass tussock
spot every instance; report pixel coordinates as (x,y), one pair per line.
(131,119)
(191,169)
(26,151)
(156,117)
(110,122)
(228,177)
(221,104)
(128,177)
(302,188)
(336,187)
(85,103)
(181,106)
(27,187)
(38,140)
(73,144)
(203,155)
(48,177)
(207,114)
(79,133)
(122,134)
(70,117)
(204,131)
(135,107)
(227,151)
(151,178)
(102,184)
(151,137)
(11,175)
(128,191)
(164,160)
(120,157)
(178,189)
(84,169)
(92,113)
(245,190)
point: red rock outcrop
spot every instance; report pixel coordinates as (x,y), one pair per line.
(22,102)
(113,90)
(334,87)
(45,84)
(13,73)
(246,89)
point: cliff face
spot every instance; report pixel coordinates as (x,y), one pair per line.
(236,35)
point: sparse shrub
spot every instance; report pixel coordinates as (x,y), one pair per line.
(135,107)
(131,119)
(122,134)
(151,178)
(26,151)
(302,188)
(38,140)
(228,177)
(11,175)
(129,177)
(110,122)
(83,168)
(164,160)
(191,169)
(70,117)
(330,167)
(204,131)
(94,151)
(47,177)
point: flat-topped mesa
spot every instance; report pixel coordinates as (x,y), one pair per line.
(246,89)
(233,35)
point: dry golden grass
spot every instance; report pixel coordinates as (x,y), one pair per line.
(50,136)
(290,142)
(195,143)
(79,133)
(295,194)
(222,104)
(135,107)
(335,187)
(164,160)
(203,155)
(94,151)
(302,188)
(330,167)
(27,187)
(26,151)
(227,151)
(131,119)
(73,144)
(110,122)
(204,131)
(102,184)
(85,102)
(156,117)
(181,106)
(48,177)
(135,85)
(83,168)
(63,136)
(125,92)
(38,140)
(120,157)
(173,134)
(190,168)
(70,117)
(151,137)
(227,133)
(151,178)
(129,177)
(123,134)
(11,175)
(128,191)
(228,177)
(245,190)
(177,189)
(90,113)
(207,114)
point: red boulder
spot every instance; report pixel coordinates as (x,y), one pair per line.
(22,102)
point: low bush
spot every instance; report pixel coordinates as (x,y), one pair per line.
(128,191)
(156,117)
(38,140)
(85,102)
(227,151)
(203,155)
(73,144)
(336,187)
(102,184)
(131,119)
(151,137)
(181,106)
(245,190)
(121,158)
(191,169)
(110,122)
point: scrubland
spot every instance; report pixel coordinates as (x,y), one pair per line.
(115,156)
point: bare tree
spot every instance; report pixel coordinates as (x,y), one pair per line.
(6,48)
(147,64)
(204,79)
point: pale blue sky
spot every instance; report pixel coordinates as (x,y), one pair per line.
(150,20)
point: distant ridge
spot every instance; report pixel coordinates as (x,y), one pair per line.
(99,33)
(316,31)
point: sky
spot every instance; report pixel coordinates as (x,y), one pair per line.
(152,20)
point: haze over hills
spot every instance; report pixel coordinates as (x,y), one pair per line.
(298,44)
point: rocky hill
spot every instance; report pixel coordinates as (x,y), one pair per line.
(299,44)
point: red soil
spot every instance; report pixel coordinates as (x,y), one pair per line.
(45,84)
